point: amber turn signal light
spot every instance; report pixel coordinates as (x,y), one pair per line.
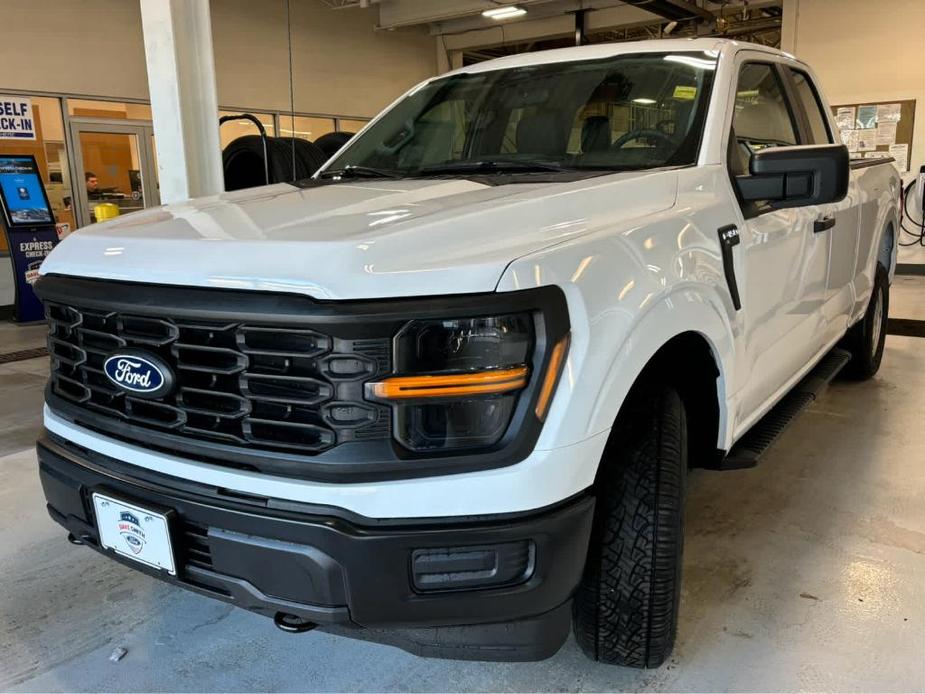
(450,385)
(556,360)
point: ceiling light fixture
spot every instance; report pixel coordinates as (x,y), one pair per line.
(644,101)
(505,12)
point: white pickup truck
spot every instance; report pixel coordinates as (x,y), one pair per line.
(445,393)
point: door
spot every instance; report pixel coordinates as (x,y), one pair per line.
(839,221)
(113,163)
(784,263)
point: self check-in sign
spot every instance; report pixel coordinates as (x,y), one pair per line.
(16,119)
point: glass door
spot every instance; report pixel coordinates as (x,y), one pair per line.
(114,166)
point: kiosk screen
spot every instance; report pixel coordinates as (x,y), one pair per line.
(22,193)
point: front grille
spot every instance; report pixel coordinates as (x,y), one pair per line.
(261,387)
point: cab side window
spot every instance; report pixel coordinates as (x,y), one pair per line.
(763,117)
(809,98)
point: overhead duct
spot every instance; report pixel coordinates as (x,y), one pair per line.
(674,10)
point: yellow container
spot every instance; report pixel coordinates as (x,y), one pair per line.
(105,210)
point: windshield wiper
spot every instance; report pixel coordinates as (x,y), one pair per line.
(490,166)
(351,171)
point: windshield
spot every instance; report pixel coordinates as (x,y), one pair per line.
(625,112)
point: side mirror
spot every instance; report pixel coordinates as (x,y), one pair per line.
(797,176)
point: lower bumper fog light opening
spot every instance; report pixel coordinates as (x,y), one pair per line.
(472,568)
(292,624)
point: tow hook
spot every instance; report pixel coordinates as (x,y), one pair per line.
(292,624)
(74,540)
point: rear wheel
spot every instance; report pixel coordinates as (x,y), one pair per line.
(866,338)
(626,608)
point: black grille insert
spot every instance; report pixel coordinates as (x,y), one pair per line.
(194,546)
(288,389)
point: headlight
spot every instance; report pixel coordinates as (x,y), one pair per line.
(460,380)
(466,344)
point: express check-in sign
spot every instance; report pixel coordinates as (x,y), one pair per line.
(16,121)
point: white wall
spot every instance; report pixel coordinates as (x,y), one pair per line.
(342,66)
(865,50)
(80,47)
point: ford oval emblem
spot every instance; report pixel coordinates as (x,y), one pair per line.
(140,374)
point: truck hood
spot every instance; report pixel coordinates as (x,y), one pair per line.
(371,239)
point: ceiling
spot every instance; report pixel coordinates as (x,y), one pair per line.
(553,23)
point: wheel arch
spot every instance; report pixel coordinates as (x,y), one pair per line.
(687,362)
(693,355)
(886,248)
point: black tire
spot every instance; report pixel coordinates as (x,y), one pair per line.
(866,338)
(242,161)
(625,611)
(281,166)
(311,156)
(332,142)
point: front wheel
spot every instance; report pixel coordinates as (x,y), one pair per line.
(866,338)
(626,609)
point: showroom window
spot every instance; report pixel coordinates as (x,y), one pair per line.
(305,127)
(806,93)
(109,146)
(351,125)
(50,151)
(122,110)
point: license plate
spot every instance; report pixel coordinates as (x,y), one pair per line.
(134,532)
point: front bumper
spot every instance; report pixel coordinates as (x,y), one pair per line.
(344,572)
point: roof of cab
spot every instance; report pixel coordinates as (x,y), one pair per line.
(607,50)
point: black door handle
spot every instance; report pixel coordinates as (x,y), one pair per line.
(823,224)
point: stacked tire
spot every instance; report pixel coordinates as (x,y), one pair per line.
(331,143)
(288,159)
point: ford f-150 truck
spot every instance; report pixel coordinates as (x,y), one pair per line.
(445,393)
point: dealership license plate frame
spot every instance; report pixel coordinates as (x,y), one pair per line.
(156,550)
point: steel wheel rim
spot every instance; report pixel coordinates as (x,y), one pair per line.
(878,323)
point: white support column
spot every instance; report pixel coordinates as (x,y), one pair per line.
(443,57)
(788,34)
(184,104)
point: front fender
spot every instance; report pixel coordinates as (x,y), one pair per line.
(684,310)
(628,294)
